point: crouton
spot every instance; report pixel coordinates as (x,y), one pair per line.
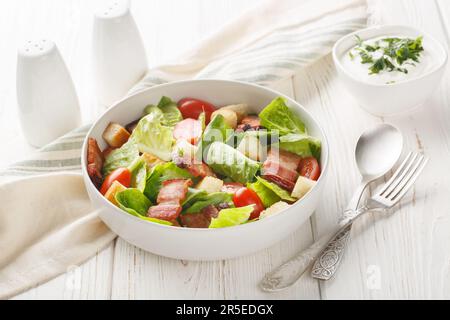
(115,135)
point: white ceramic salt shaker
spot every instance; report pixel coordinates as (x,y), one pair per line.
(120,60)
(47,101)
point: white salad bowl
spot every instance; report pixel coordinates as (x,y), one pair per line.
(393,98)
(204,244)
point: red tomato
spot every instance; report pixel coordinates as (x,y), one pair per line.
(309,168)
(245,197)
(189,130)
(192,108)
(122,175)
(232,187)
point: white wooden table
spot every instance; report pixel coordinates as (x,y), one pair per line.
(406,255)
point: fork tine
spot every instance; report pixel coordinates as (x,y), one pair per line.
(407,184)
(399,172)
(406,174)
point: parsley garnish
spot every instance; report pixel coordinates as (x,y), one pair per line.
(388,54)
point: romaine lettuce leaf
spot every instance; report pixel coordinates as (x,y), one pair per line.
(231,217)
(170,115)
(138,171)
(192,196)
(216,130)
(229,162)
(160,173)
(135,203)
(121,158)
(210,199)
(267,196)
(301,144)
(277,116)
(153,137)
(280,192)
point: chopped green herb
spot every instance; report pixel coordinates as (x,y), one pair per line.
(389,54)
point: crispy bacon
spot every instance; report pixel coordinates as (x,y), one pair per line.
(232,187)
(200,170)
(94,162)
(249,123)
(200,220)
(167,212)
(287,159)
(195,167)
(170,197)
(281,168)
(173,191)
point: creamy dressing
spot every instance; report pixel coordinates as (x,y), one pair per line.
(428,61)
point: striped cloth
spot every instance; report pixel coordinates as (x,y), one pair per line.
(248,49)
(56,228)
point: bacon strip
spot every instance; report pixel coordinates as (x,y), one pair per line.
(200,220)
(170,197)
(281,168)
(167,212)
(195,167)
(94,162)
(249,123)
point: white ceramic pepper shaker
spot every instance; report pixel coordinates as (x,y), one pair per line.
(47,101)
(120,60)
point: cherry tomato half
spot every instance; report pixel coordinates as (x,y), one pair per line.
(189,130)
(122,175)
(192,108)
(309,168)
(245,197)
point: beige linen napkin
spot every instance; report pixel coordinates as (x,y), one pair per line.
(46,222)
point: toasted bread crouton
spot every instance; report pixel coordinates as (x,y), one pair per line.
(151,160)
(229,116)
(210,185)
(274,209)
(240,109)
(115,135)
(115,188)
(302,187)
(252,148)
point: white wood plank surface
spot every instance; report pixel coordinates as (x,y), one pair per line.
(406,255)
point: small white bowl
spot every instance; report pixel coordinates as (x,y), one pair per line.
(204,244)
(395,98)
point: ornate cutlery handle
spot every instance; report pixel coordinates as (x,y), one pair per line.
(287,274)
(328,261)
(330,258)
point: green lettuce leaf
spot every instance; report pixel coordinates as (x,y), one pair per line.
(301,144)
(278,116)
(135,203)
(192,196)
(267,196)
(153,137)
(231,217)
(280,192)
(210,199)
(138,171)
(121,158)
(160,173)
(216,130)
(170,115)
(229,162)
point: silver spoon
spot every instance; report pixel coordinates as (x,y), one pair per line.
(377,151)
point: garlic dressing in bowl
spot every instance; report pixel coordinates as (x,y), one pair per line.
(391,59)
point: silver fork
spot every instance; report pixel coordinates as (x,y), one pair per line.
(330,248)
